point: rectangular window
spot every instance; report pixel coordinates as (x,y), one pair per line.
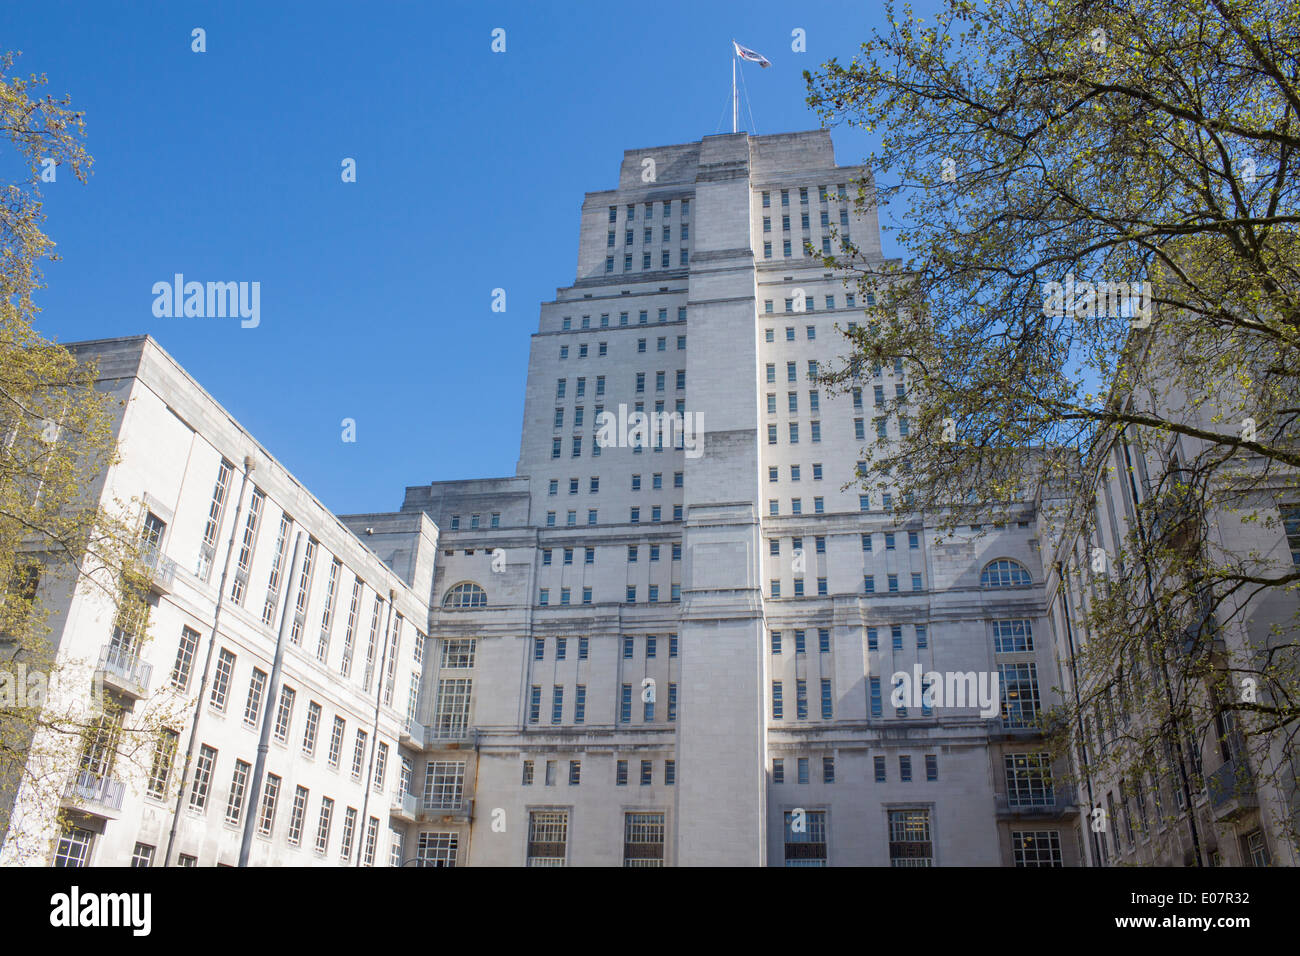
(184,665)
(212,528)
(284,713)
(805,838)
(312,729)
(548,837)
(323,826)
(909,838)
(349,829)
(296,816)
(266,812)
(336,741)
(221,679)
(1012,637)
(1019,683)
(164,755)
(359,753)
(1036,848)
(643,839)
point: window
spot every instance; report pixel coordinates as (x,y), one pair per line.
(1019,684)
(313,727)
(643,839)
(284,713)
(372,839)
(905,768)
(444,783)
(548,837)
(1012,637)
(465,595)
(74,847)
(163,756)
(805,838)
(359,753)
(381,767)
(625,704)
(778,770)
(296,816)
(143,855)
(212,528)
(528,774)
(336,742)
(1029,780)
(557,704)
(778,705)
(349,829)
(803,770)
(266,812)
(876,705)
(1004,573)
(184,665)
(1291,528)
(323,827)
(647,772)
(575,772)
(1038,848)
(909,838)
(437,848)
(827,699)
(221,680)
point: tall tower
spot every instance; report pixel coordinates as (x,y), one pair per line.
(682,651)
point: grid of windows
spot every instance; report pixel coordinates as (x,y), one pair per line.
(1036,848)
(643,839)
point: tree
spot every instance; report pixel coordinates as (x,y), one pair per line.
(1098,203)
(57,440)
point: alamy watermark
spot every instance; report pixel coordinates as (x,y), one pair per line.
(947,689)
(213,300)
(1119,300)
(681,430)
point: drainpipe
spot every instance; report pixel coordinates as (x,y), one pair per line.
(374,729)
(207,662)
(252,795)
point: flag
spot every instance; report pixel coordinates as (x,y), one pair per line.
(745,53)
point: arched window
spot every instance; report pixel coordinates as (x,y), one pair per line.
(467,594)
(1005,573)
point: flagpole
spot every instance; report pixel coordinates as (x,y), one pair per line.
(735,97)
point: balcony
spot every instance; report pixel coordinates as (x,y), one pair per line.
(405,806)
(462,812)
(1061,803)
(162,577)
(413,735)
(97,795)
(122,669)
(1231,790)
(450,737)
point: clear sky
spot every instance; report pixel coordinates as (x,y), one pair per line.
(471,168)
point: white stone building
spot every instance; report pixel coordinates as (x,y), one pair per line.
(677,655)
(222,516)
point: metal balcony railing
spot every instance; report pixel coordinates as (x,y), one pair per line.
(1232,781)
(123,667)
(163,569)
(91,789)
(462,809)
(1057,801)
(405,805)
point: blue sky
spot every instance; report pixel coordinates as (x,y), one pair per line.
(471,167)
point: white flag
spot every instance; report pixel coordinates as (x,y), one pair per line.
(745,53)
